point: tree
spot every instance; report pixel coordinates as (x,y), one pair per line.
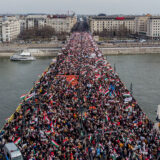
(120,32)
(37,33)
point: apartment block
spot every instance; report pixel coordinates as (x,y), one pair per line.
(153,27)
(9,28)
(61,23)
(1,19)
(141,24)
(99,23)
(38,21)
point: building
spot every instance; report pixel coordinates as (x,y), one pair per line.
(9,28)
(110,23)
(61,23)
(33,21)
(1,19)
(153,27)
(141,25)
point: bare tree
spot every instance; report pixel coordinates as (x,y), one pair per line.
(37,33)
(121,32)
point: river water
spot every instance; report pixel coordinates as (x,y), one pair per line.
(143,71)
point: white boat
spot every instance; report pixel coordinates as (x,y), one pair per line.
(23,56)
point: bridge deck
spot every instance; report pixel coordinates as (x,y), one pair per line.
(80,109)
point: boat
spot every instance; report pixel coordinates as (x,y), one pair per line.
(23,56)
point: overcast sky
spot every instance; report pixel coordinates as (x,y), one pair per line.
(81,6)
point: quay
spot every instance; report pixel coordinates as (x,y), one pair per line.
(52,51)
(80,109)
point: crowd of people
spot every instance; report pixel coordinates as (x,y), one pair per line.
(80,110)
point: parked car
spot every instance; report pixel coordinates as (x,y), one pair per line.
(142,40)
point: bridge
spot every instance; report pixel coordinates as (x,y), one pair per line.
(80,109)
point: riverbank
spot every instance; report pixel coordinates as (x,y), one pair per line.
(53,51)
(42,49)
(130,50)
(36,52)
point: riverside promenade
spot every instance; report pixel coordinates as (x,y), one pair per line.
(51,49)
(80,110)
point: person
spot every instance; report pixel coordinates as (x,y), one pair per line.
(81,93)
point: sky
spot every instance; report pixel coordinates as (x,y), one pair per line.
(81,6)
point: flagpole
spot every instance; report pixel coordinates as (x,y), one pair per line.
(114,68)
(131,89)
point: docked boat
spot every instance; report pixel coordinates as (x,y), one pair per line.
(23,56)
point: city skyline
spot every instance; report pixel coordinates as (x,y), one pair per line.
(80,7)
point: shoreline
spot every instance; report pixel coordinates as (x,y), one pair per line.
(130,50)
(52,52)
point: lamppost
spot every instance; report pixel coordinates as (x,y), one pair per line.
(131,89)
(114,68)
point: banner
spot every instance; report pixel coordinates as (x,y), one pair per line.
(73,79)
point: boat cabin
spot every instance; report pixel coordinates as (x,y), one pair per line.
(25,53)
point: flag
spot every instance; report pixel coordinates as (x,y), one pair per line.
(71,156)
(90,137)
(100,88)
(51,124)
(83,72)
(126,94)
(98,76)
(128,99)
(65,140)
(107,118)
(46,119)
(50,158)
(111,80)
(45,94)
(98,60)
(13,139)
(71,80)
(50,97)
(27,111)
(30,96)
(101,146)
(129,108)
(52,130)
(6,119)
(48,132)
(18,140)
(106,92)
(22,96)
(92,107)
(37,82)
(110,69)
(55,143)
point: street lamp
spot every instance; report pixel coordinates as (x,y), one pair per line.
(131,89)
(114,68)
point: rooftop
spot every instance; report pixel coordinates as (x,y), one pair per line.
(113,17)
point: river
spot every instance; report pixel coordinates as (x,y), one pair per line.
(143,71)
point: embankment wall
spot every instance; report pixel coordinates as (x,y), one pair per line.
(44,52)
